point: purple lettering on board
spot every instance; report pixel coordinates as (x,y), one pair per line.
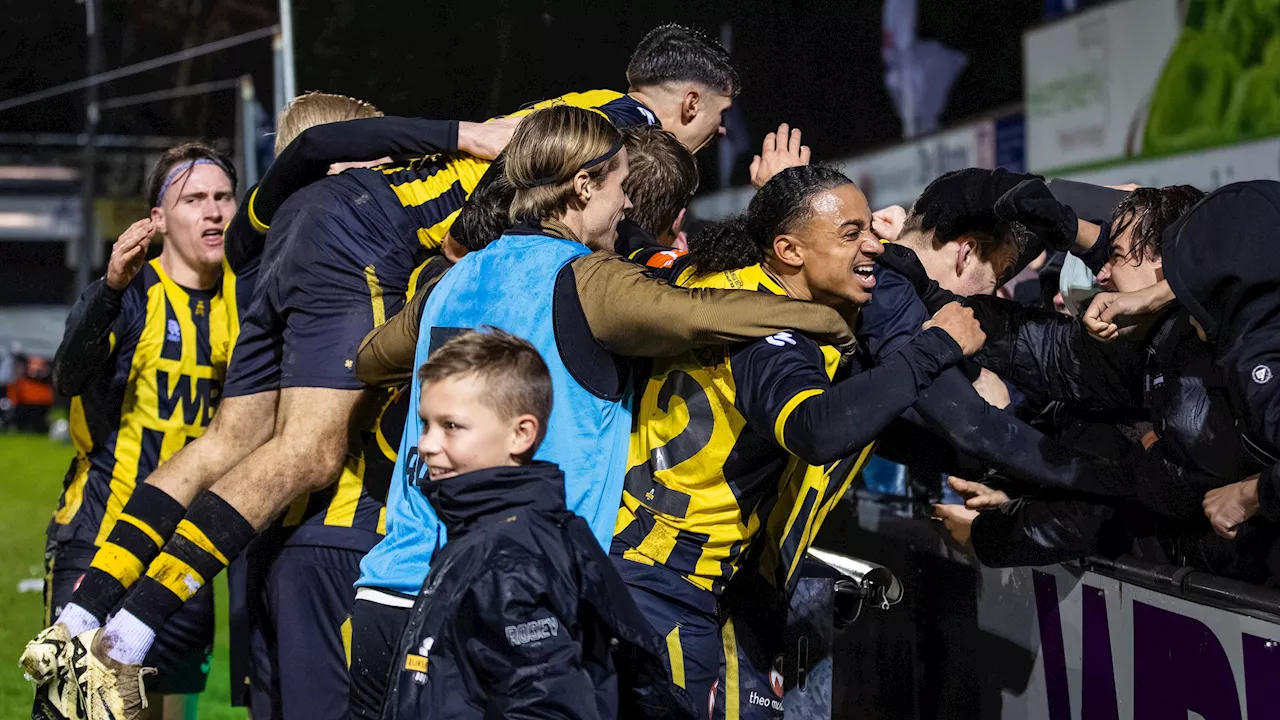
(1261,677)
(1098,701)
(1179,665)
(1051,647)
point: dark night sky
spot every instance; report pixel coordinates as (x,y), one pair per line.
(815,64)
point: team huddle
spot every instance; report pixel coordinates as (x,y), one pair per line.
(477,431)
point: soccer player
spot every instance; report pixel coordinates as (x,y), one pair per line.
(143,359)
(717,430)
(625,312)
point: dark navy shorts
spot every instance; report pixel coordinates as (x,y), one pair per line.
(183,647)
(375,635)
(300,605)
(685,616)
(338,262)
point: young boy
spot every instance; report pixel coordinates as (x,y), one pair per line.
(521,613)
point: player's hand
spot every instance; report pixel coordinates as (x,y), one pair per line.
(485,140)
(341,167)
(128,253)
(1229,506)
(992,389)
(780,151)
(958,520)
(976,495)
(887,223)
(1130,187)
(1031,203)
(1113,315)
(958,321)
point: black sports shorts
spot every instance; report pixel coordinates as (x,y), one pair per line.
(338,261)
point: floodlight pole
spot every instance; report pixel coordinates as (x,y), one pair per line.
(286,50)
(88,230)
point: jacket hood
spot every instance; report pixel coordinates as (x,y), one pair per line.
(466,499)
(1222,260)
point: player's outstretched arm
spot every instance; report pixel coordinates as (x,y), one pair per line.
(632,313)
(308,157)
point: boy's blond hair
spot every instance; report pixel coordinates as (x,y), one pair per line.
(317,108)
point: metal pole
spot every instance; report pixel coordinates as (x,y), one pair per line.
(277,78)
(248,132)
(286,55)
(89,230)
(724,148)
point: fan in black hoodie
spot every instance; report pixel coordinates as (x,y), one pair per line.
(522,615)
(1222,260)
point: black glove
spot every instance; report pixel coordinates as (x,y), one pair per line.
(904,261)
(1031,204)
(962,200)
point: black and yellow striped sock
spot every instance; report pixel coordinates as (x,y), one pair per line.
(205,542)
(145,523)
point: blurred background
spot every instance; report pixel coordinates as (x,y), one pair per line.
(895,92)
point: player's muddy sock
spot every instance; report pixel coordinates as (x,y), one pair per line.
(127,638)
(77,619)
(205,542)
(145,523)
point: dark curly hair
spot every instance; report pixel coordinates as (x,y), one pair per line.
(778,208)
(1149,211)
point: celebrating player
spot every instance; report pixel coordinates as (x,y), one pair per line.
(143,359)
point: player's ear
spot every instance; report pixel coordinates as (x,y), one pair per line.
(582,185)
(524,433)
(157,218)
(788,251)
(689,104)
(966,250)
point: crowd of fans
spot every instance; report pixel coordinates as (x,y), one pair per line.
(487,432)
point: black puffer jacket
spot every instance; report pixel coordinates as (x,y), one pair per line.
(523,616)
(1222,260)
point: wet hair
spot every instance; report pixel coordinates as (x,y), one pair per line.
(959,204)
(515,377)
(486,214)
(663,177)
(673,53)
(784,203)
(317,108)
(1150,211)
(548,149)
(188,152)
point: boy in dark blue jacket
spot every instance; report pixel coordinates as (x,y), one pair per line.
(521,615)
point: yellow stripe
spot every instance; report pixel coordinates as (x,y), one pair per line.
(382,520)
(188,530)
(180,578)
(433,237)
(253,217)
(51,559)
(346,639)
(730,671)
(118,563)
(375,295)
(144,527)
(677,656)
(413,280)
(73,496)
(634,556)
(781,423)
(342,509)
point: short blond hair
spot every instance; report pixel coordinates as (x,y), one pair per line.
(317,108)
(548,149)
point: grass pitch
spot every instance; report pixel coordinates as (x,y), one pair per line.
(31,471)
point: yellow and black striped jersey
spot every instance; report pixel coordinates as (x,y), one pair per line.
(432,189)
(155,391)
(708,458)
